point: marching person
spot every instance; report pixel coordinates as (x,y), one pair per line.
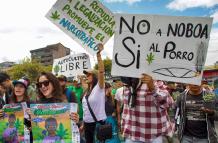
(145,118)
(95,95)
(196,120)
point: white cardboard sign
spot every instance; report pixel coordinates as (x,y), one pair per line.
(166,47)
(88,22)
(71,65)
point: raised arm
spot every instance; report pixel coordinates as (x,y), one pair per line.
(100,67)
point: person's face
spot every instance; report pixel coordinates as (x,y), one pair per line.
(45,86)
(19,89)
(2,89)
(62,82)
(51,127)
(89,78)
(75,83)
(194,88)
(6,83)
(11,121)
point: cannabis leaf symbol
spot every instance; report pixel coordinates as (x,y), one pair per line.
(55,15)
(150,58)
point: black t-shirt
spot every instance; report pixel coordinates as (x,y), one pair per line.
(195,119)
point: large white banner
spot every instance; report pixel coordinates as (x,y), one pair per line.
(71,65)
(166,47)
(86,21)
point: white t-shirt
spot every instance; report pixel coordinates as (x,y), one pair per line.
(97,103)
(119,94)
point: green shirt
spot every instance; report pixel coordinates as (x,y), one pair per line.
(78,93)
(113,91)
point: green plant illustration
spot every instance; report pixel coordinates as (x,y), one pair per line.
(209,97)
(61,131)
(55,15)
(150,58)
(56,69)
(18,123)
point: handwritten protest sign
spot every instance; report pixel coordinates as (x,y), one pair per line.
(12,127)
(86,21)
(51,123)
(166,47)
(71,65)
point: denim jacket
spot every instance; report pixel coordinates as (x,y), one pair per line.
(181,104)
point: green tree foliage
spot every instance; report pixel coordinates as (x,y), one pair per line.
(29,68)
(107,65)
(61,131)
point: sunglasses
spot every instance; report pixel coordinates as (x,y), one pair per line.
(45,83)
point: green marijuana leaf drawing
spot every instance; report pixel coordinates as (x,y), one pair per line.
(150,58)
(55,15)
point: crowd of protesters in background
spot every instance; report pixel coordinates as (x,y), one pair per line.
(140,110)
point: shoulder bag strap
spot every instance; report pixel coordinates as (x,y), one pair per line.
(90,109)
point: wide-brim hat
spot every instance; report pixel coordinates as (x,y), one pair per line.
(21,81)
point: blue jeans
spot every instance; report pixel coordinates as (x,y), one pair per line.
(189,139)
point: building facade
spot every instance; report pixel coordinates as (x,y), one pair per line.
(4,66)
(47,54)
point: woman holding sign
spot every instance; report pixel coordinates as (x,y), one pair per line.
(19,95)
(94,97)
(50,91)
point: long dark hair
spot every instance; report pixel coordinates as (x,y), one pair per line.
(13,98)
(57,91)
(109,97)
(133,84)
(92,84)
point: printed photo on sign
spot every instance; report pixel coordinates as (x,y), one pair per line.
(51,123)
(71,65)
(87,22)
(11,126)
(168,48)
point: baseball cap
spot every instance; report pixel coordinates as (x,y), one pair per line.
(21,81)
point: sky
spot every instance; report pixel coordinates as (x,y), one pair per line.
(23,26)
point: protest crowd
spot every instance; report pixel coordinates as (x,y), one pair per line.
(137,109)
(156,93)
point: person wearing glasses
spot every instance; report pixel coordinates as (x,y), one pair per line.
(95,94)
(49,91)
